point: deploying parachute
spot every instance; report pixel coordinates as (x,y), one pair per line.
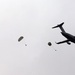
(20,38)
(49,43)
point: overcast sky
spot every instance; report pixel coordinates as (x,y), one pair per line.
(34,20)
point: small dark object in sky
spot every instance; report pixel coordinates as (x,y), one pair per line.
(49,43)
(20,38)
(25,44)
(55,50)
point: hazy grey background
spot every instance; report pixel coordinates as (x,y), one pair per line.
(33,19)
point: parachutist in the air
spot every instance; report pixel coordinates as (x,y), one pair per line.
(55,50)
(20,38)
(25,44)
(49,43)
